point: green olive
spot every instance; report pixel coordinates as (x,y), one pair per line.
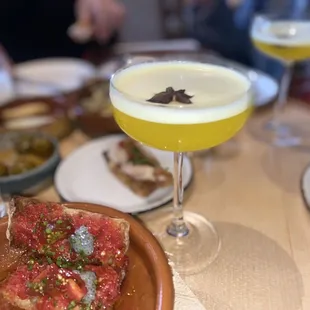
(42,147)
(23,145)
(26,163)
(3,170)
(31,160)
(20,167)
(17,168)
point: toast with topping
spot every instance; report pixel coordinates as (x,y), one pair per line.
(45,286)
(136,168)
(71,243)
(67,236)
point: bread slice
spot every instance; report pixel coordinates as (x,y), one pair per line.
(25,213)
(154,177)
(29,289)
(110,244)
(13,300)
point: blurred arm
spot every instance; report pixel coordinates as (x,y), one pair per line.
(102,17)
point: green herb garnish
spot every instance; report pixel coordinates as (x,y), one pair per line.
(170,95)
(72,305)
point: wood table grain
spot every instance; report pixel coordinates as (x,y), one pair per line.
(251,192)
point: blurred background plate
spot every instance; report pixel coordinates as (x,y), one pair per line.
(174,45)
(6,88)
(49,76)
(305,186)
(48,115)
(85,177)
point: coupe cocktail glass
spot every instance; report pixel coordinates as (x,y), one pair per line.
(202,106)
(284,37)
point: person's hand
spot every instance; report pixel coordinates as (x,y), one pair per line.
(103,17)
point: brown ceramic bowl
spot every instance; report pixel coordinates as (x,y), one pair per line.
(92,121)
(49,116)
(148,284)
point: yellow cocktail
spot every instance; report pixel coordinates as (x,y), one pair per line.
(181,137)
(220,104)
(284,40)
(283,36)
(182,106)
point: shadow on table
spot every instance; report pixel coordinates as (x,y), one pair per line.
(251,272)
(225,151)
(295,116)
(284,167)
(210,174)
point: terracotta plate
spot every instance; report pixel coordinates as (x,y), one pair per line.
(53,118)
(148,284)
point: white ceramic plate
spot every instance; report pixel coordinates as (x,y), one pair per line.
(51,75)
(6,89)
(305,186)
(108,68)
(85,177)
(265,87)
(157,46)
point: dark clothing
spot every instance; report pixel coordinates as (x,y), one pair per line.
(226,30)
(32,29)
(215,28)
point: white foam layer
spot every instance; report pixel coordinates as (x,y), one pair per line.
(283,33)
(219,93)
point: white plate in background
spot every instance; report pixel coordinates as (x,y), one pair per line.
(43,77)
(305,186)
(85,177)
(265,88)
(6,88)
(157,46)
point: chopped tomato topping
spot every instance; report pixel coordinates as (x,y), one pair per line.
(74,291)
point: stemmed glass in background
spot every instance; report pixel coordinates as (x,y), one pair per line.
(196,106)
(285,37)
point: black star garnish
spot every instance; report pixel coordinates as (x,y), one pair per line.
(170,95)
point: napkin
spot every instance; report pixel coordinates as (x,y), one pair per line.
(185,299)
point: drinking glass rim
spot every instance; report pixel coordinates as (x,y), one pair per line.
(188,107)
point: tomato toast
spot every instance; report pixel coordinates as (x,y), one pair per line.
(44,286)
(67,236)
(75,259)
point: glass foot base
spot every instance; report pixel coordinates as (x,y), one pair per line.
(287,133)
(282,135)
(195,251)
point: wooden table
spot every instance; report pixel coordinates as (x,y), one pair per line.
(251,192)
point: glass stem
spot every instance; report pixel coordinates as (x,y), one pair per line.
(177,227)
(280,105)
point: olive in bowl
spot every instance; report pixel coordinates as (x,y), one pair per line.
(26,160)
